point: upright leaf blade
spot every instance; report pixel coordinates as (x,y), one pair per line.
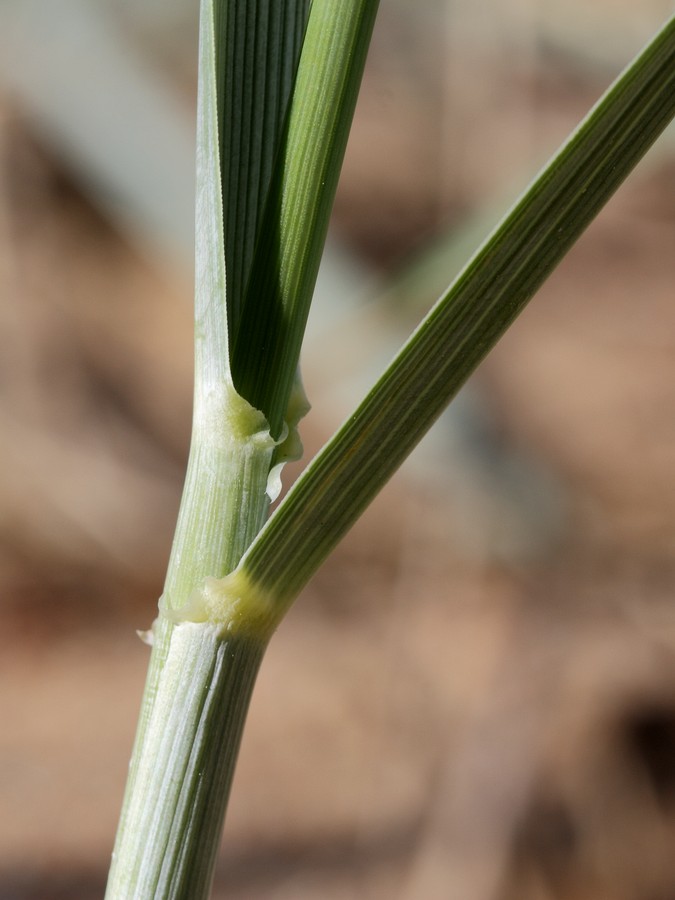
(266,347)
(258,47)
(248,55)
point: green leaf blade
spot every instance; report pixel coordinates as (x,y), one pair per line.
(283,274)
(259,47)
(247,61)
(465,324)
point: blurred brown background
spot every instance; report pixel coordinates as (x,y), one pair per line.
(475,698)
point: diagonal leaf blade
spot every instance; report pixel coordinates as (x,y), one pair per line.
(464,325)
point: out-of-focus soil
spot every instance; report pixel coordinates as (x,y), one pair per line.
(426,724)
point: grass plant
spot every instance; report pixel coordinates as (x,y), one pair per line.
(278,81)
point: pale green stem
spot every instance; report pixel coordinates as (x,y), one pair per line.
(200,677)
(202,671)
(174,815)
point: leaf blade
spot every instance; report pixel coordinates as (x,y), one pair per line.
(267,345)
(466,322)
(247,60)
(259,48)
